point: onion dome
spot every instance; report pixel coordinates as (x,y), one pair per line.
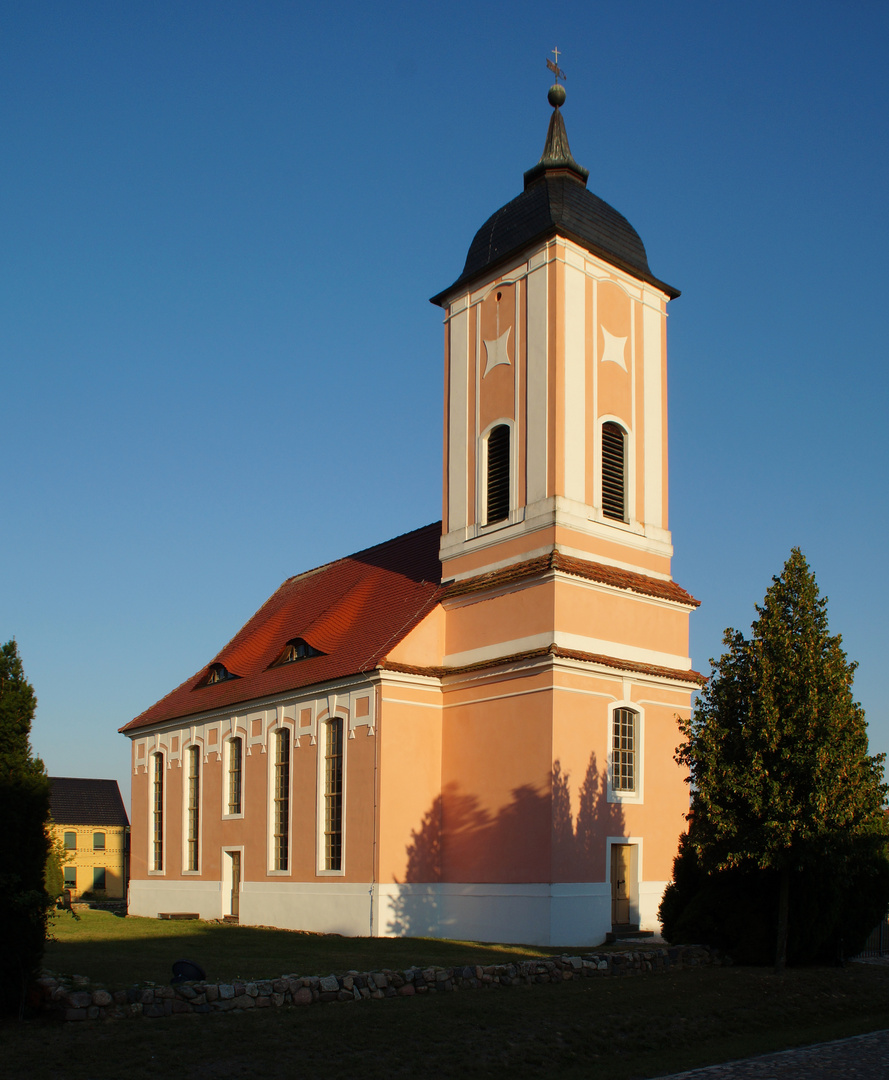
(556,202)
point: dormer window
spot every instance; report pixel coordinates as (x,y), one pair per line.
(218,673)
(296,649)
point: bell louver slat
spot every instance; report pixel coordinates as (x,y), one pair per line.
(498,475)
(613,472)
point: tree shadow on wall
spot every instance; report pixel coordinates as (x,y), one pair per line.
(531,839)
(579,847)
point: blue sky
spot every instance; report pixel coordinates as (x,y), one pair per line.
(221,225)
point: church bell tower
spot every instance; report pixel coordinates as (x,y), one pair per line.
(565,640)
(556,409)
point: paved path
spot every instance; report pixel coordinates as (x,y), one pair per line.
(863,1057)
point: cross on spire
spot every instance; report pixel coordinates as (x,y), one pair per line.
(554,66)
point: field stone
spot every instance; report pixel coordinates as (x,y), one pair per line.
(302,996)
(226,991)
(80,999)
(330,984)
(102,997)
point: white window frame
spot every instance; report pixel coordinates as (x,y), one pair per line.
(272,753)
(226,769)
(320,844)
(637,795)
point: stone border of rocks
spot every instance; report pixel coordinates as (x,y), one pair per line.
(75,999)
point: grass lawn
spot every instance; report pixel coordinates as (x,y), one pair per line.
(118,952)
(618,1028)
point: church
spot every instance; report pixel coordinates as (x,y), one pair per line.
(466,731)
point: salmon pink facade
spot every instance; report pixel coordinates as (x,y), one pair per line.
(467,731)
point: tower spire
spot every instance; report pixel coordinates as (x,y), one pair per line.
(556,156)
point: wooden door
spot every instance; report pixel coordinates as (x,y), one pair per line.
(621,866)
(236,883)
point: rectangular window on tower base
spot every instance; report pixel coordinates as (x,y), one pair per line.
(623,751)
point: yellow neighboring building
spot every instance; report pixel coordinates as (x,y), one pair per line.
(89,819)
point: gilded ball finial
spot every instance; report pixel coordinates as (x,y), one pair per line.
(556,95)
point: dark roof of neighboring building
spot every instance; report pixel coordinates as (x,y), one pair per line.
(353,611)
(76,800)
(556,202)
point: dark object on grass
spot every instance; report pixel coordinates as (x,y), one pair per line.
(187,971)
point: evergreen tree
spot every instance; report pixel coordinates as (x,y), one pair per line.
(24,811)
(786,799)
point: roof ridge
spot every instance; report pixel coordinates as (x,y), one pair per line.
(363,551)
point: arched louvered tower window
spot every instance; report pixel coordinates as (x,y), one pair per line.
(497,507)
(614,472)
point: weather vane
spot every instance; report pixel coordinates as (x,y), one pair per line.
(554,67)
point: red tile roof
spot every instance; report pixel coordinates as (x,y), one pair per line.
(354,611)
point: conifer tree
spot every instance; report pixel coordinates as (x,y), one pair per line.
(785,793)
(24,811)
